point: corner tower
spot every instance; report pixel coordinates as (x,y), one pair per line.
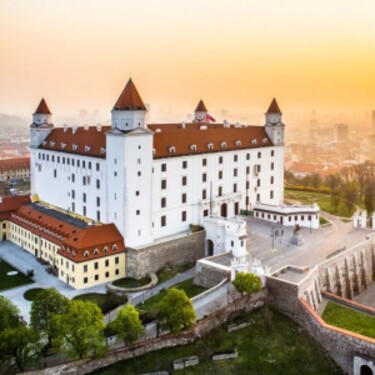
(41,125)
(274,127)
(129,112)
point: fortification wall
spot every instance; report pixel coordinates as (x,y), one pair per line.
(140,262)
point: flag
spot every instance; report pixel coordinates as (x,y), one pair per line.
(210,118)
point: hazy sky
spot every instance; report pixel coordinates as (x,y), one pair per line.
(235,54)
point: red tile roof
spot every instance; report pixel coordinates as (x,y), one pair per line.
(12,204)
(14,164)
(201,107)
(92,142)
(74,240)
(129,99)
(42,108)
(274,107)
(205,138)
(80,141)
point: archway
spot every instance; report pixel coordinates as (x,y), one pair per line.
(210,248)
(224,210)
(365,370)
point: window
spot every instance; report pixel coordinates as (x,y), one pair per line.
(55,173)
(204,162)
(107,274)
(184,164)
(85,268)
(163,184)
(247,185)
(138,212)
(73,177)
(204,177)
(258,168)
(117,271)
(97,167)
(97,215)
(117,260)
(184,198)
(220,175)
(84,180)
(272,166)
(85,280)
(258,182)
(84,197)
(98,184)
(73,194)
(78,163)
(205,213)
(183,216)
(139,173)
(96,277)
(271,194)
(98,201)
(107,262)
(272,152)
(164,167)
(163,221)
(84,210)
(204,194)
(220,192)
(235,157)
(234,188)
(272,179)
(136,193)
(235,172)
(163,203)
(259,155)
(96,265)
(220,160)
(184,180)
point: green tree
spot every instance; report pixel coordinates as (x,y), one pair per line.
(127,325)
(176,310)
(81,329)
(350,196)
(247,283)
(19,346)
(9,314)
(369,199)
(46,305)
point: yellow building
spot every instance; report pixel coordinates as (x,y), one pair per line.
(79,254)
(14,169)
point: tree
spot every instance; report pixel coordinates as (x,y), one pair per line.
(127,325)
(19,346)
(247,283)
(369,199)
(350,196)
(46,305)
(81,329)
(9,314)
(176,310)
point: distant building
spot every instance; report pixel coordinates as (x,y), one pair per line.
(340,133)
(373,121)
(14,169)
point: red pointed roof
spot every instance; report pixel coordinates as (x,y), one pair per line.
(129,99)
(201,107)
(274,107)
(42,108)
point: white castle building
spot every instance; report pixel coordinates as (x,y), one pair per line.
(155,180)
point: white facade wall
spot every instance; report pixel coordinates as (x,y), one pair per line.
(58,191)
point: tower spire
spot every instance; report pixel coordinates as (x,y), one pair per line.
(42,108)
(129,99)
(274,107)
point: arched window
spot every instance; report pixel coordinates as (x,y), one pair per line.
(96,252)
(105,249)
(114,247)
(86,254)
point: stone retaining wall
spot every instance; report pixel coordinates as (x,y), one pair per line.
(208,275)
(181,250)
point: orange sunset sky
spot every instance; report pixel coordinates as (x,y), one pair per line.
(235,54)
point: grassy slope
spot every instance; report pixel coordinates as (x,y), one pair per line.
(343,317)
(323,200)
(7,282)
(282,349)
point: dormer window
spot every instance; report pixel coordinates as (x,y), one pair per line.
(44,143)
(210,146)
(223,144)
(265,140)
(51,143)
(105,249)
(96,252)
(254,141)
(238,143)
(75,147)
(193,147)
(172,149)
(86,254)
(114,247)
(63,145)
(102,150)
(87,148)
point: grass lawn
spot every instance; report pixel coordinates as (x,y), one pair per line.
(106,302)
(283,348)
(7,282)
(354,321)
(31,293)
(151,305)
(128,282)
(323,200)
(168,273)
